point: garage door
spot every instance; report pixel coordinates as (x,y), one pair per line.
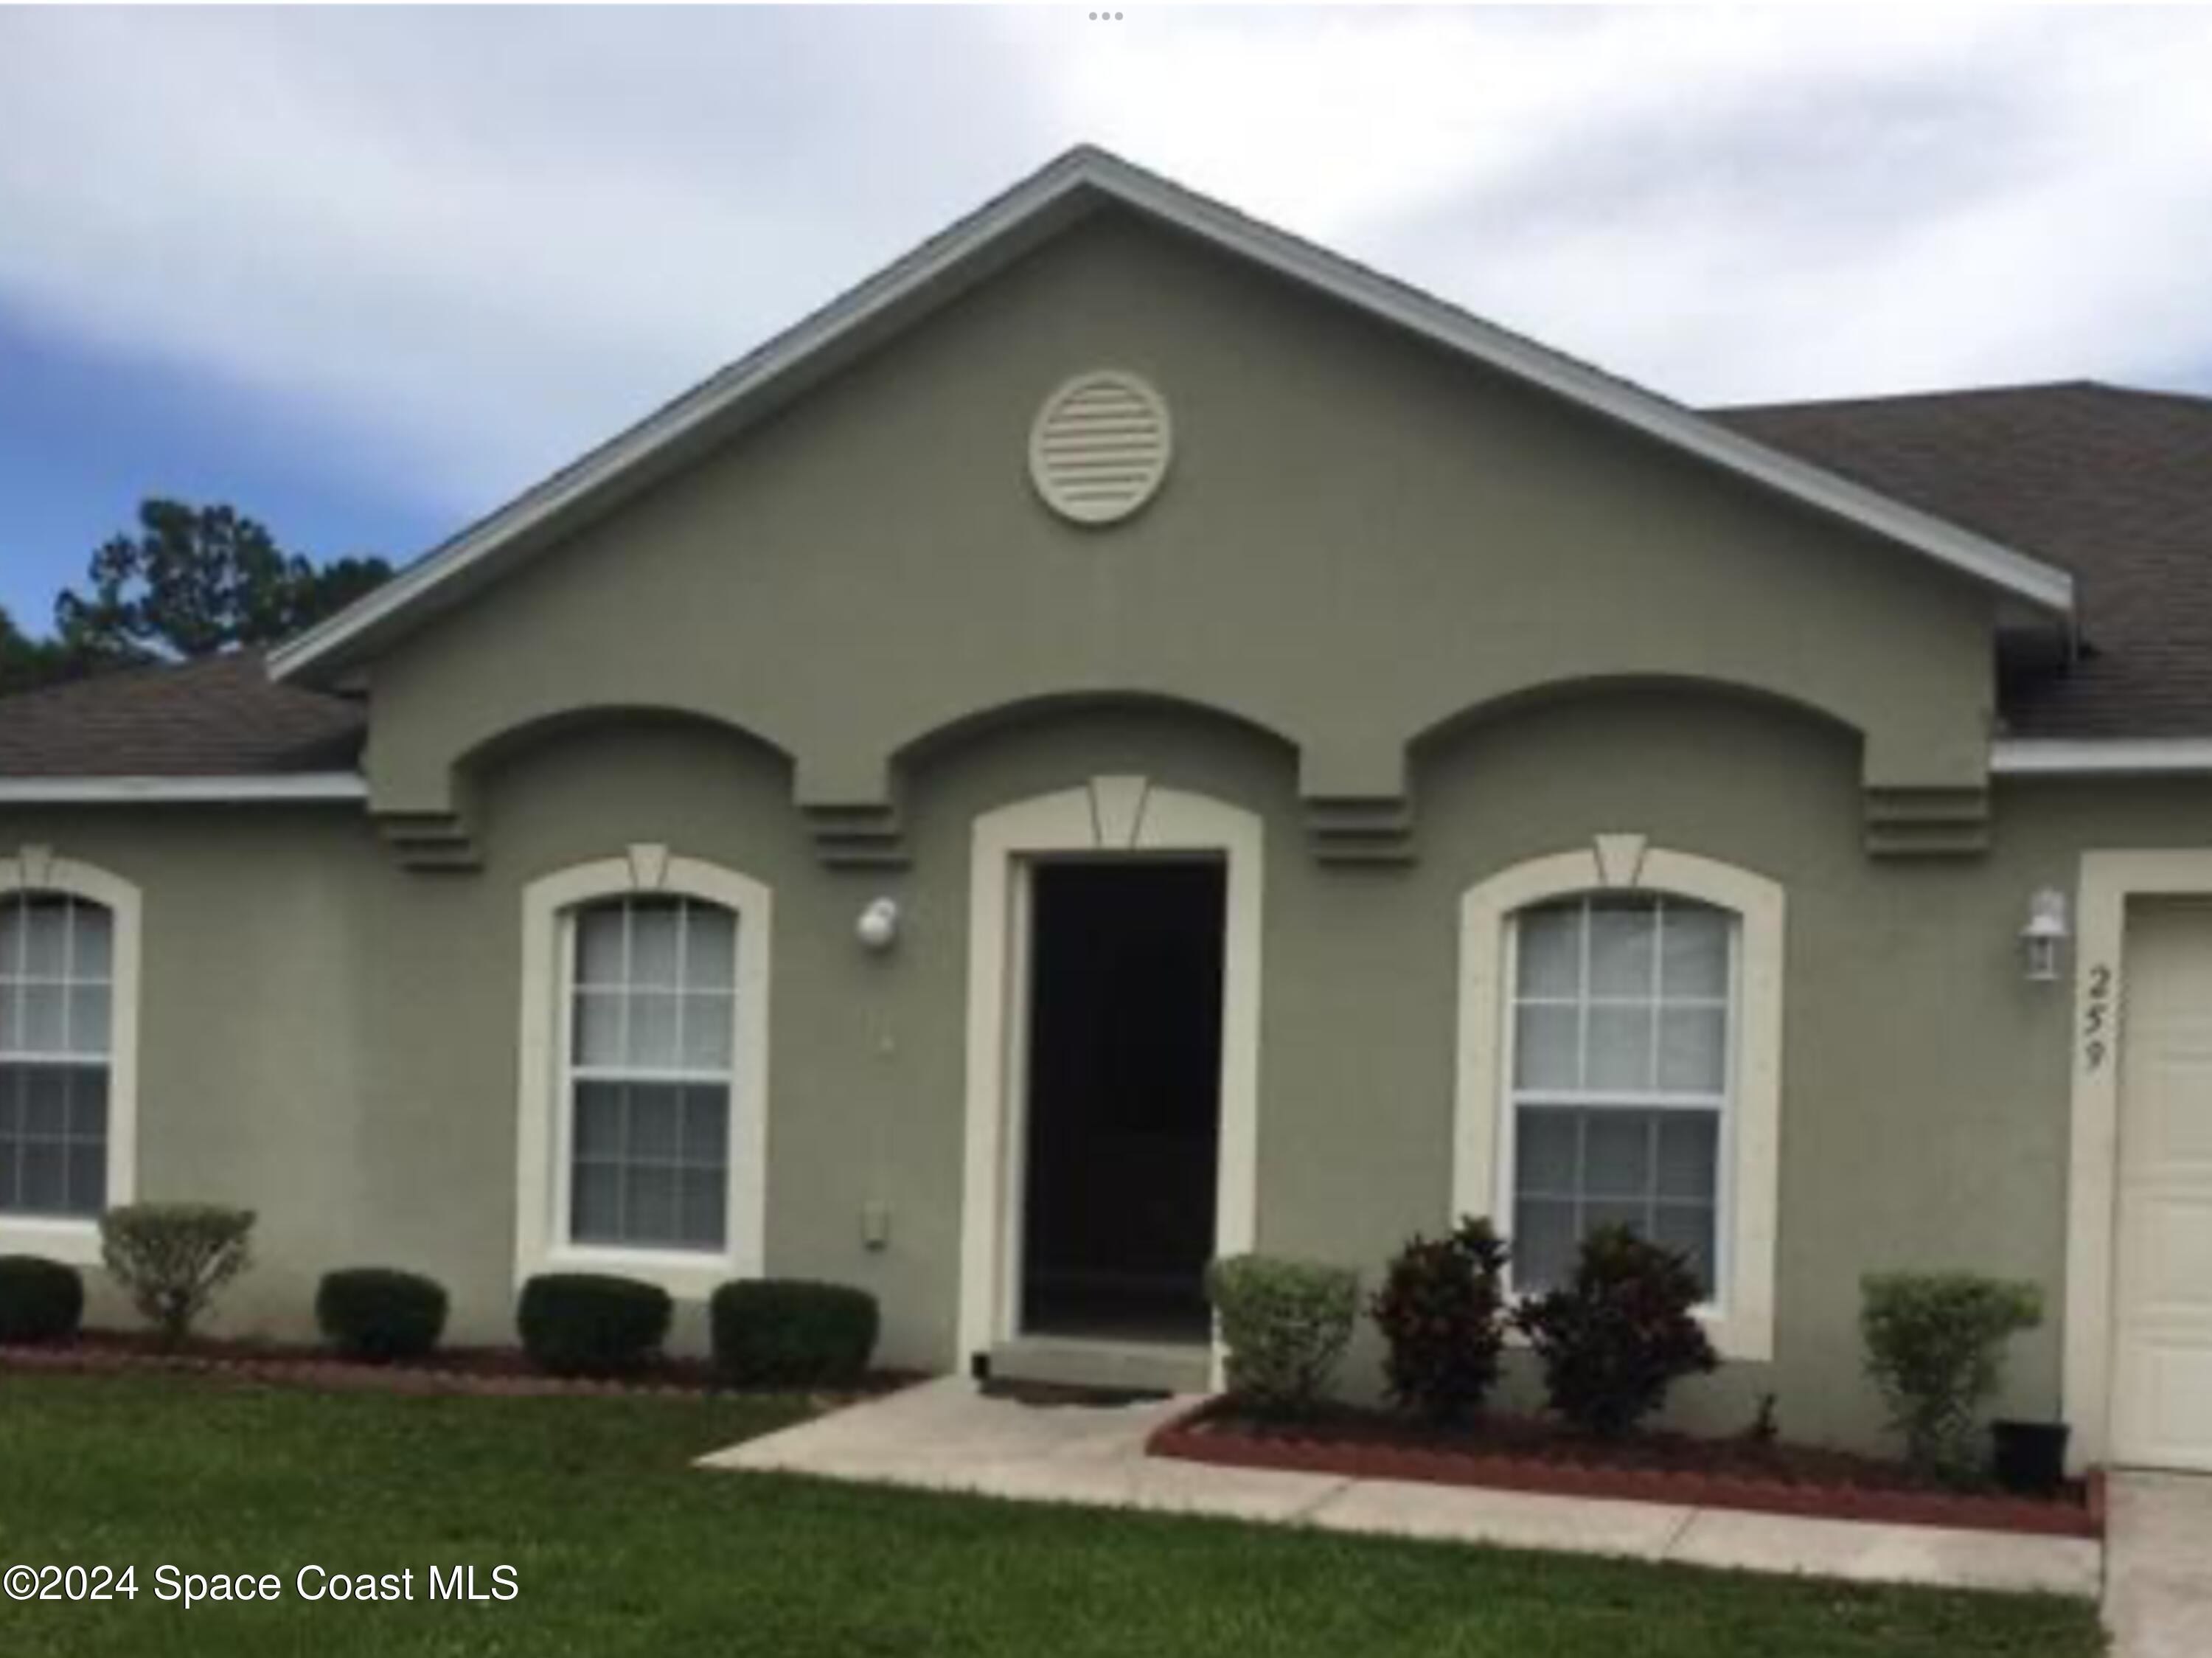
(2162,1282)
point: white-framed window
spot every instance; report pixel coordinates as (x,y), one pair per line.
(651,1068)
(68,997)
(643,1065)
(1619,1061)
(1618,1078)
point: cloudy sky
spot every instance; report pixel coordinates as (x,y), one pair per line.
(367,275)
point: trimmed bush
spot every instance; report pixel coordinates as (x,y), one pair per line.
(1441,1310)
(1934,1348)
(40,1299)
(173,1258)
(1617,1338)
(792,1332)
(379,1312)
(590,1324)
(1285,1325)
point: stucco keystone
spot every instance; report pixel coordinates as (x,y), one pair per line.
(1117,810)
(1619,859)
(648,866)
(37,865)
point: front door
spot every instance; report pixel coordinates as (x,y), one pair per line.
(1122,1098)
(2162,1280)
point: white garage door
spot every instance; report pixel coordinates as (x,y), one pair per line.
(2162,1284)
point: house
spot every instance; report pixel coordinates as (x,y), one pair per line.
(1128,737)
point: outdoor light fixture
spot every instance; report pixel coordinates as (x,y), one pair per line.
(878,928)
(2041,940)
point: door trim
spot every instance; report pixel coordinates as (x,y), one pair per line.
(1106,815)
(2108,880)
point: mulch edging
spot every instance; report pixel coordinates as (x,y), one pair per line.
(312,1370)
(1203,1435)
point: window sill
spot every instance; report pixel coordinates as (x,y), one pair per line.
(73,1243)
(686,1275)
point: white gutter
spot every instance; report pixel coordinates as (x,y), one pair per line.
(2108,757)
(123,791)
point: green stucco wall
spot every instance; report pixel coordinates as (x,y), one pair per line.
(330,1038)
(1403,576)
(1359,540)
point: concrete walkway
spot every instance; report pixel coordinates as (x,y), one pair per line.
(2158,1592)
(945,1435)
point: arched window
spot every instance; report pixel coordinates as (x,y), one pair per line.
(1620,1031)
(67,1051)
(641,1121)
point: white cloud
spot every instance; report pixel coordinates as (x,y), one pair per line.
(466,246)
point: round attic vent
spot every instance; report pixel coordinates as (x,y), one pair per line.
(1100,446)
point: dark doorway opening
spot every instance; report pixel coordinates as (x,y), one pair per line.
(1124,1103)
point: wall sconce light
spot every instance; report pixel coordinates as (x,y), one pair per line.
(2041,940)
(878,928)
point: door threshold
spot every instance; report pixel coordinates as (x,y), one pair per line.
(1158,1367)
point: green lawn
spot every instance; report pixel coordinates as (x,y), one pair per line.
(619,1548)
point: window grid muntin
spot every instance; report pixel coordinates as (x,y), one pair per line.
(80,1153)
(1654,1100)
(576,1075)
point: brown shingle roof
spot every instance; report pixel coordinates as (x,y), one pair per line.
(221,716)
(2115,486)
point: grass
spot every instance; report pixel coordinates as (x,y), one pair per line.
(620,1548)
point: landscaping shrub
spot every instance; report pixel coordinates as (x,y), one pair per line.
(1934,1347)
(588,1323)
(379,1312)
(40,1299)
(789,1332)
(173,1258)
(1441,1310)
(1285,1325)
(1620,1334)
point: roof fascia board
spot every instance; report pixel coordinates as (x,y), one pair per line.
(953,258)
(2109,757)
(132,790)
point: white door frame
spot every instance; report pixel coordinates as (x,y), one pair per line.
(1106,815)
(2109,880)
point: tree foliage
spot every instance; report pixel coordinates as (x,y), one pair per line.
(196,579)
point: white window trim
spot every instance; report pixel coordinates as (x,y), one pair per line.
(1741,1324)
(544,1118)
(1107,815)
(35,869)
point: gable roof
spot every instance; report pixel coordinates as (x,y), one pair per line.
(2115,485)
(1061,194)
(221,716)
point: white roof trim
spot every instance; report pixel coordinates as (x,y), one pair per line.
(1093,172)
(2073,757)
(109,791)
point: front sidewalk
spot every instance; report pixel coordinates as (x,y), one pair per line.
(945,1435)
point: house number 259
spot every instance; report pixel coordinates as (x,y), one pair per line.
(2097,1018)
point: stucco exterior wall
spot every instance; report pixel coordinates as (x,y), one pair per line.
(1358,541)
(330,1038)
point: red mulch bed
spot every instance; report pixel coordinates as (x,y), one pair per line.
(1519,1454)
(488,1370)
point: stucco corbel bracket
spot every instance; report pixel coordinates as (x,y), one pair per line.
(857,834)
(1373,829)
(430,841)
(1944,821)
